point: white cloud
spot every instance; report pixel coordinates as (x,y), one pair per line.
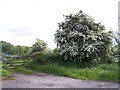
(22,21)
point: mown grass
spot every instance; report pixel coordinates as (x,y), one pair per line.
(104,72)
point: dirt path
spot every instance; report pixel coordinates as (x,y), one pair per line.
(51,81)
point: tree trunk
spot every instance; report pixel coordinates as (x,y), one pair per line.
(34,58)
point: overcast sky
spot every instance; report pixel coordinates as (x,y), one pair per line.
(22,21)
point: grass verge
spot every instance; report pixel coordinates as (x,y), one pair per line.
(22,70)
(6,74)
(104,72)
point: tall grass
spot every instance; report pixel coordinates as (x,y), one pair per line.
(105,72)
(6,74)
(22,70)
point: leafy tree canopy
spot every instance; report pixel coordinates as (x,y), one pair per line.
(79,37)
(12,49)
(39,46)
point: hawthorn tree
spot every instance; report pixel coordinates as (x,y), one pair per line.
(80,38)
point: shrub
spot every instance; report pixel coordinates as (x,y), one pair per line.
(79,38)
(43,57)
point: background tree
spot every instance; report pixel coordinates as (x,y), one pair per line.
(39,46)
(21,49)
(7,47)
(14,50)
(79,38)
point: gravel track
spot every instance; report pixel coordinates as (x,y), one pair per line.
(41,80)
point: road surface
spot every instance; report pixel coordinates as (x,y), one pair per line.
(41,80)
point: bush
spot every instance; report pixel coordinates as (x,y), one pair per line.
(43,57)
(80,38)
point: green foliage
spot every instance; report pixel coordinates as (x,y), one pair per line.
(80,38)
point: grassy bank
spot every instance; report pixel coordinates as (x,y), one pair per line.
(105,72)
